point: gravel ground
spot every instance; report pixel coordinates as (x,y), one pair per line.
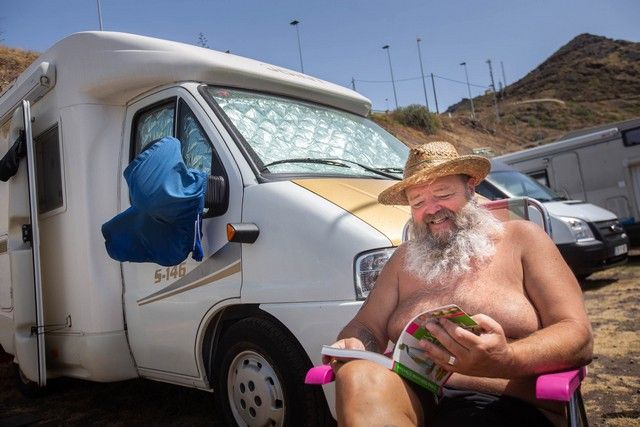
(611,391)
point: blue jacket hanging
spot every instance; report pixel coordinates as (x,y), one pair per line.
(167,200)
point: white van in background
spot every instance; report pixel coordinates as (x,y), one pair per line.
(600,165)
(589,237)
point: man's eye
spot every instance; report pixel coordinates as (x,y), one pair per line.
(417,204)
(444,196)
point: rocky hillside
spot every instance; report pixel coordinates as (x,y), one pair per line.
(12,63)
(590,81)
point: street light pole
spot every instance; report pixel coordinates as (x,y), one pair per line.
(473,111)
(393,82)
(99,14)
(424,85)
(295,24)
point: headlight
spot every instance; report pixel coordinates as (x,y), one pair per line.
(367,268)
(579,229)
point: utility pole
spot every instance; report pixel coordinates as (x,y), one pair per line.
(433,85)
(99,14)
(424,85)
(393,82)
(295,24)
(493,89)
(353,83)
(473,111)
(504,78)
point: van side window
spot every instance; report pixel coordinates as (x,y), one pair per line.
(160,120)
(631,137)
(153,123)
(540,176)
(489,191)
(196,147)
(48,170)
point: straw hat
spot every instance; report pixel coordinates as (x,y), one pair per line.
(429,162)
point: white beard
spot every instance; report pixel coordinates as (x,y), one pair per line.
(441,259)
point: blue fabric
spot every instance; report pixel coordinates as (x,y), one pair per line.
(167,199)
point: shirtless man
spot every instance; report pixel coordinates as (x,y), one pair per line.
(509,275)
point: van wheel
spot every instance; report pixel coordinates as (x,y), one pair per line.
(25,386)
(260,381)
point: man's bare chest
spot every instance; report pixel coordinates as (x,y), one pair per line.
(497,294)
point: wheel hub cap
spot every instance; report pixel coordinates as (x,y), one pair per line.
(254,391)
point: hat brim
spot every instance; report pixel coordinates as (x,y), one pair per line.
(476,167)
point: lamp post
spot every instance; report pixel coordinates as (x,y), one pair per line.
(99,14)
(393,82)
(295,24)
(424,85)
(473,111)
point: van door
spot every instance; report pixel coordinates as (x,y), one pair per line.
(165,306)
(567,176)
(26,269)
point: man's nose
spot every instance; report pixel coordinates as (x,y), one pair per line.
(432,209)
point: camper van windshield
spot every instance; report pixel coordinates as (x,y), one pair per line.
(517,184)
(294,137)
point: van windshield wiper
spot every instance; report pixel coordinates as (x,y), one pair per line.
(335,161)
(305,160)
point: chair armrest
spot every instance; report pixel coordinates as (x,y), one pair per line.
(560,385)
(321,374)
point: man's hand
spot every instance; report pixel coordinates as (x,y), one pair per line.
(353,343)
(485,355)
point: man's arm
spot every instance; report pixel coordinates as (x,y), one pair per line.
(564,341)
(368,329)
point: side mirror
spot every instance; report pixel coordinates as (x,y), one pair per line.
(216,200)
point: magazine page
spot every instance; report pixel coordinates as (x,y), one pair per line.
(411,360)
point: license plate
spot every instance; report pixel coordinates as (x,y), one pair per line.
(619,250)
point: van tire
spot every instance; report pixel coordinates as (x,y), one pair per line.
(260,378)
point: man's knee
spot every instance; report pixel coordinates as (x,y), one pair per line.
(358,376)
(361,373)
(366,391)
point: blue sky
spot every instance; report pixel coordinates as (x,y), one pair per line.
(343,39)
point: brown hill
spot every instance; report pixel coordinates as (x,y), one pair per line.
(12,63)
(590,81)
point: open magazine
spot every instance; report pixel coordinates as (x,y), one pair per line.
(409,359)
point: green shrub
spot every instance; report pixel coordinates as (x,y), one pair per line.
(417,117)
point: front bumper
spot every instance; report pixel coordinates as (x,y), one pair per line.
(590,257)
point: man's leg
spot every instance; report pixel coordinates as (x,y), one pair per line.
(369,395)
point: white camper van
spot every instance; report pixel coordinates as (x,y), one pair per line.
(589,237)
(599,165)
(293,237)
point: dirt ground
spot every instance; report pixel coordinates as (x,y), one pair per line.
(611,391)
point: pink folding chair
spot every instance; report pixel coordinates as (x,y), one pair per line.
(561,386)
(558,386)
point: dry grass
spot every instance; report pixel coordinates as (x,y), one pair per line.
(612,389)
(12,63)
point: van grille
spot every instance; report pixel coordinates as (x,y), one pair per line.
(609,230)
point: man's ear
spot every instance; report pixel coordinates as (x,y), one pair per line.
(471,184)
